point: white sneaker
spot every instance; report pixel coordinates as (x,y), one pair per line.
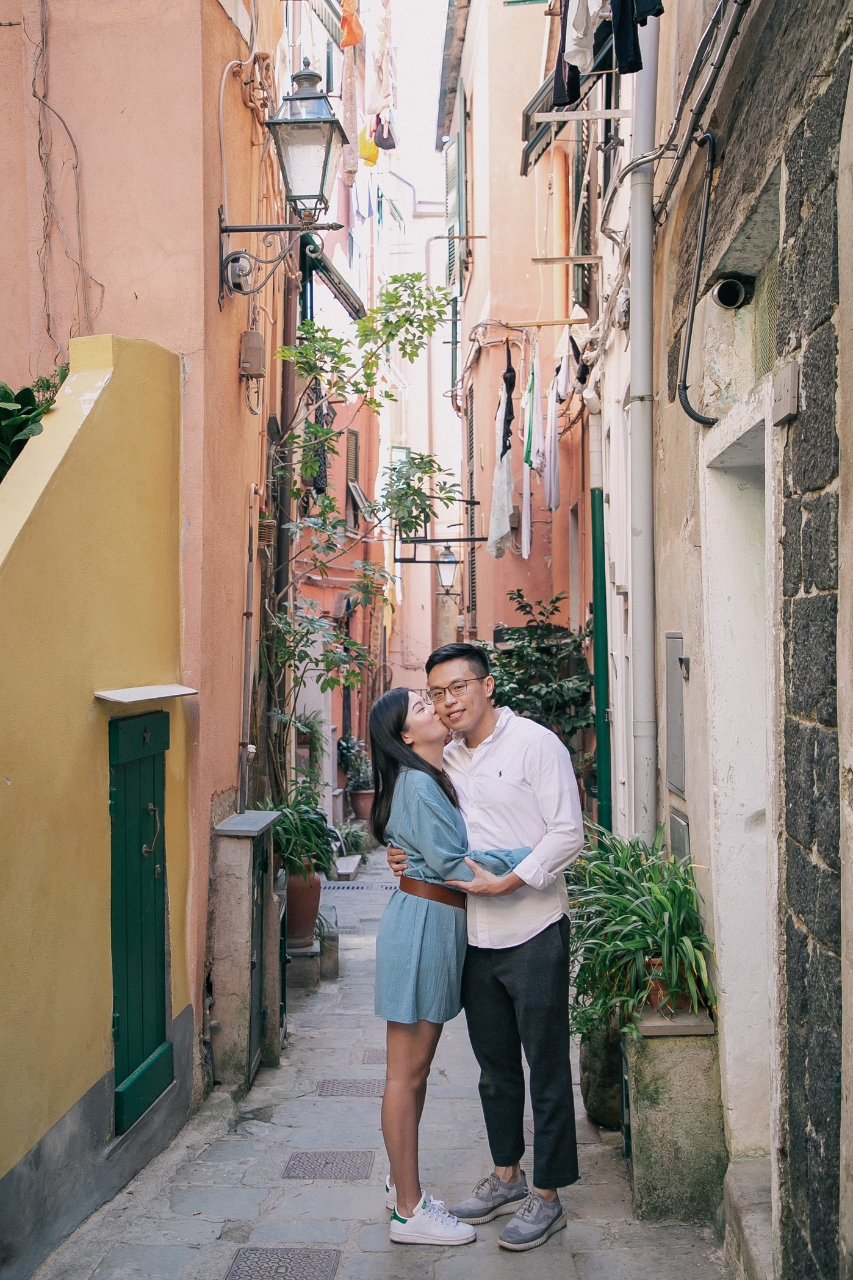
(430,1224)
(391,1195)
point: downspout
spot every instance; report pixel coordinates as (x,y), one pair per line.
(248,617)
(642,600)
(600,649)
(708,140)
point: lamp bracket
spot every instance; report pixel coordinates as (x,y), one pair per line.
(272,234)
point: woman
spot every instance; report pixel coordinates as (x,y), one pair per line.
(420,946)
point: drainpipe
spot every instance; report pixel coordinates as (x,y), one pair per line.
(247,658)
(600,653)
(642,442)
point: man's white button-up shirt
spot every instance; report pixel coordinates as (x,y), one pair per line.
(518,788)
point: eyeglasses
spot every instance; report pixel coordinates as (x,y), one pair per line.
(457,689)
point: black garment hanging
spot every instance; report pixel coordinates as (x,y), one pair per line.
(582,372)
(509,412)
(645,9)
(567,78)
(626,41)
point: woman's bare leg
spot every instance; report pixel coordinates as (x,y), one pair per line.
(422,1092)
(411,1047)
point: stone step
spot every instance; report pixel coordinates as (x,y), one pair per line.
(749,1229)
(348,866)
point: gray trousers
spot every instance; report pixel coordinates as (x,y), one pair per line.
(514,998)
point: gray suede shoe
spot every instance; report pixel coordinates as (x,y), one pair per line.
(535,1221)
(490,1198)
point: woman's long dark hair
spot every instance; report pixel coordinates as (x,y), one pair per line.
(390,754)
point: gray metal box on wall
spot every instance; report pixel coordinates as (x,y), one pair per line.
(675,770)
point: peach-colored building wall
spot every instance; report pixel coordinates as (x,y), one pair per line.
(138,87)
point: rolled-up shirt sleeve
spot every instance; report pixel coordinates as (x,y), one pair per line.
(548,769)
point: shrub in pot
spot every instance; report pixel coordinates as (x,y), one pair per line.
(360,782)
(637,939)
(304,843)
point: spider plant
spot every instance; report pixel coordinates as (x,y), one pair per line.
(636,923)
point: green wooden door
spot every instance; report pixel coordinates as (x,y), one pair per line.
(143,1056)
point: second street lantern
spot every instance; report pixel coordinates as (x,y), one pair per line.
(309,140)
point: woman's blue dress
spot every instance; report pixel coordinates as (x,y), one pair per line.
(420,945)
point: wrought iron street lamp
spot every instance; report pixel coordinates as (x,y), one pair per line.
(445,567)
(309,140)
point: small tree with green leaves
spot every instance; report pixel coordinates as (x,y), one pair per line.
(541,670)
(298,643)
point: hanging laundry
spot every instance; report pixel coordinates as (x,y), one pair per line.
(537,433)
(350,156)
(379,87)
(626,40)
(509,412)
(580,32)
(351,28)
(552,450)
(526,515)
(384,134)
(367,149)
(500,530)
(564,377)
(645,9)
(567,80)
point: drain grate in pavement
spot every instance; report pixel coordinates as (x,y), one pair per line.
(371,888)
(375,1057)
(334,1166)
(348,928)
(284,1264)
(351,1088)
(370,919)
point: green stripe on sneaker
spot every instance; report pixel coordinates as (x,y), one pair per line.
(395,1217)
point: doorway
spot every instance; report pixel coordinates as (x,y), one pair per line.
(143,1055)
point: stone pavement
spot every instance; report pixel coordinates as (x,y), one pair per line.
(228,1180)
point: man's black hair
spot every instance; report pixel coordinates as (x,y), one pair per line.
(471,653)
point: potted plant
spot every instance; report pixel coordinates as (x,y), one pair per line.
(355,839)
(637,938)
(360,783)
(303,843)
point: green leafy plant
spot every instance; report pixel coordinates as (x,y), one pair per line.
(301,835)
(298,643)
(637,928)
(355,839)
(21,414)
(311,733)
(360,773)
(348,748)
(541,670)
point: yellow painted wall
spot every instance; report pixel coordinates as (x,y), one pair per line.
(89,599)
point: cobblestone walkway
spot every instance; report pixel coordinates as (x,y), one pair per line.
(255,1179)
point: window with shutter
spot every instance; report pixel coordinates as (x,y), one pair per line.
(352,455)
(455,197)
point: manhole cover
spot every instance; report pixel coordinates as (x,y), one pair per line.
(336,1166)
(351,1088)
(284,1264)
(375,1057)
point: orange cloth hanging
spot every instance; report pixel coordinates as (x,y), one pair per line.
(353,31)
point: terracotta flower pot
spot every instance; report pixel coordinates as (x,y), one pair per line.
(658,993)
(303,905)
(361,802)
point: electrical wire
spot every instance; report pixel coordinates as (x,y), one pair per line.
(235,62)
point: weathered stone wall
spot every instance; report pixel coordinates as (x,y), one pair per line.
(811,887)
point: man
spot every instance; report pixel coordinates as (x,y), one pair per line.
(516,787)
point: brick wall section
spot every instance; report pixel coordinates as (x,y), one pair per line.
(811,893)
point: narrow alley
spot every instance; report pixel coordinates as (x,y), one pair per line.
(240,1192)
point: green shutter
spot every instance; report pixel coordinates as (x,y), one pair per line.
(456,196)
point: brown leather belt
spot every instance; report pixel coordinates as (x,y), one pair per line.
(435,892)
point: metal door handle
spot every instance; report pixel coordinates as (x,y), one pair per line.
(149,848)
